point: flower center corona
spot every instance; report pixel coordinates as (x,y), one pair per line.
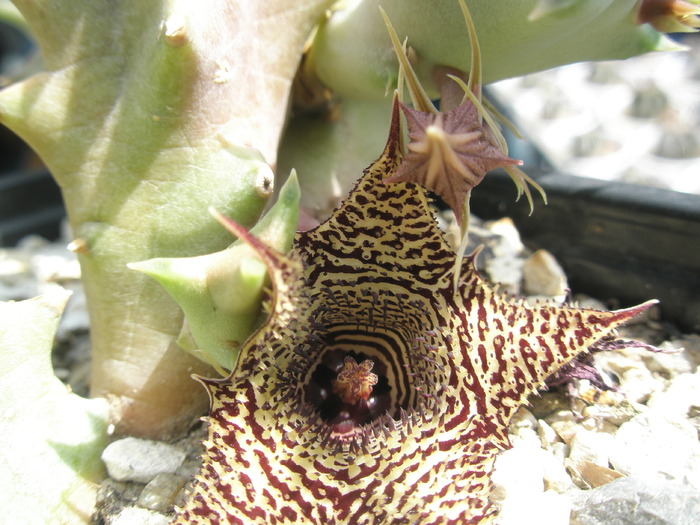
(346,392)
(354,382)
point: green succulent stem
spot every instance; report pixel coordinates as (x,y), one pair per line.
(148,114)
(352,55)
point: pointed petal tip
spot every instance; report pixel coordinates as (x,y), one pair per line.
(633,311)
(615,318)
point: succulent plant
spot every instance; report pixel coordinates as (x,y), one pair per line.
(385,367)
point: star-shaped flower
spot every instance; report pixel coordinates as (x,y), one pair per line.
(449,153)
(416,441)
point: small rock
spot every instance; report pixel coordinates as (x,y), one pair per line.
(613,415)
(112,491)
(670,365)
(554,475)
(632,501)
(564,424)
(682,394)
(522,428)
(560,451)
(690,344)
(591,446)
(160,493)
(522,418)
(189,468)
(133,459)
(510,244)
(518,473)
(139,516)
(652,446)
(588,475)
(542,275)
(547,508)
(507,272)
(595,423)
(547,434)
(589,303)
(75,318)
(636,381)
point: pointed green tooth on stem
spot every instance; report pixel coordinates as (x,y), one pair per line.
(421,100)
(221,293)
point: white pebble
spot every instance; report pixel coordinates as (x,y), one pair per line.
(507,272)
(542,275)
(547,434)
(133,459)
(138,516)
(682,394)
(555,476)
(546,508)
(518,473)
(653,447)
(591,446)
(510,243)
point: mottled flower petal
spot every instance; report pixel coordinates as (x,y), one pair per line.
(373,283)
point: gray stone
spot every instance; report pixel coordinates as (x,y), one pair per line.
(633,501)
(652,446)
(133,459)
